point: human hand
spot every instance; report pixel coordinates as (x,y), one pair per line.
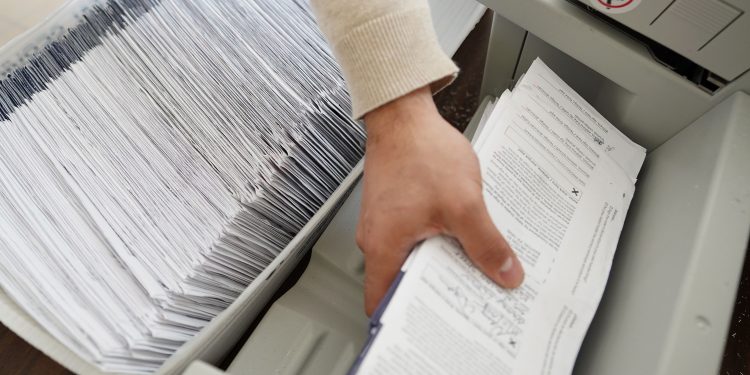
(422,179)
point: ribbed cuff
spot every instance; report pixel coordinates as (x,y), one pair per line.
(391,56)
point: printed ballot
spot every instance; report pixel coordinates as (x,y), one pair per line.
(558,180)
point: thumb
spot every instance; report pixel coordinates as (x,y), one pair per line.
(487,248)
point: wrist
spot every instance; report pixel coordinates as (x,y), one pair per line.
(407,112)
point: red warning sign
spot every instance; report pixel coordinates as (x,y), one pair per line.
(615,6)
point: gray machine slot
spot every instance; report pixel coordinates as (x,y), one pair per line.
(648,102)
(712,33)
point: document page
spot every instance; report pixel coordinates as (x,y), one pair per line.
(558,180)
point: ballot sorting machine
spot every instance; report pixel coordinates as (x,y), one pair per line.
(674,76)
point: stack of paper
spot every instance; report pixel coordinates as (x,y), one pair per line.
(155,159)
(558,180)
(453,20)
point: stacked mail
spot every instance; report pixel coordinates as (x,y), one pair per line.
(155,159)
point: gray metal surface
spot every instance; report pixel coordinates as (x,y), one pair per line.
(506,44)
(670,296)
(647,101)
(713,33)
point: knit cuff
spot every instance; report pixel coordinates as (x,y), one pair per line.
(391,56)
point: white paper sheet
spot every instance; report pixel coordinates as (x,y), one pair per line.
(454,20)
(149,175)
(558,180)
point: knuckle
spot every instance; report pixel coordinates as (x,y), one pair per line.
(466,208)
(364,242)
(361,235)
(366,238)
(361,238)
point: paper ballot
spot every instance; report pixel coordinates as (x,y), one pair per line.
(558,180)
(155,159)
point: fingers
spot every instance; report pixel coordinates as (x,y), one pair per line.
(386,247)
(382,264)
(486,247)
(482,242)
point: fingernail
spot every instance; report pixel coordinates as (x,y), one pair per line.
(511,273)
(507,265)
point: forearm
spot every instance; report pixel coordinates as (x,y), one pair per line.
(386,48)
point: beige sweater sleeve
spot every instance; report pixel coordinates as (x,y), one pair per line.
(386,48)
